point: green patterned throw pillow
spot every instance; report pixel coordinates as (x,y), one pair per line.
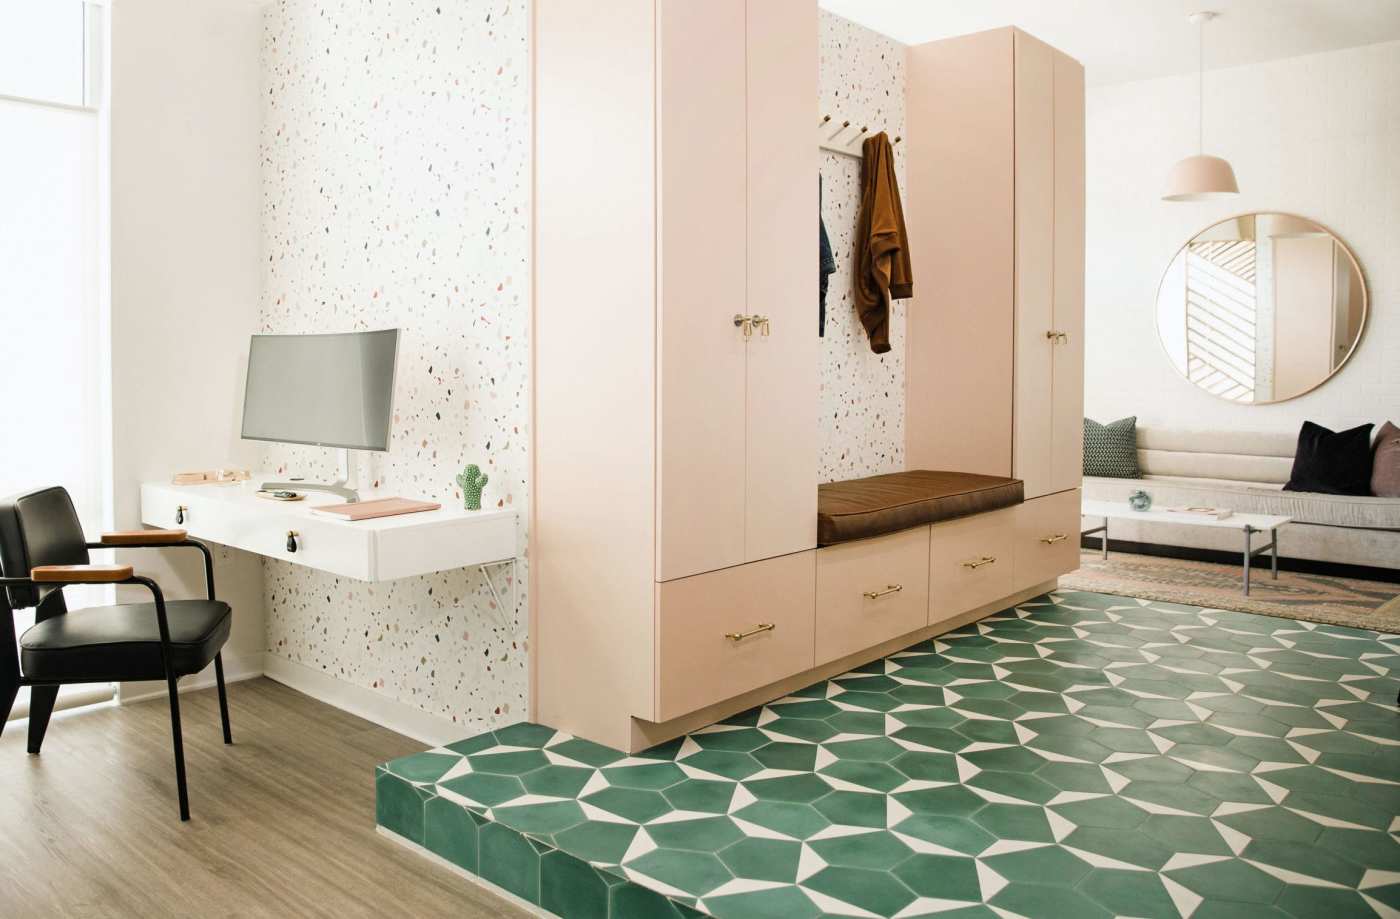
(1110,450)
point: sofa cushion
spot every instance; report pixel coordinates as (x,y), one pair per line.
(1111,449)
(1332,462)
(878,504)
(1385,463)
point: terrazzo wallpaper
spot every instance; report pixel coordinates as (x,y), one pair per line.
(395,193)
(862,393)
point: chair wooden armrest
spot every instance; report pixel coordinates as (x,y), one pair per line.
(143,537)
(80,574)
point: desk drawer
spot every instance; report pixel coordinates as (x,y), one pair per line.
(1047,538)
(894,569)
(970,563)
(771,603)
(327,544)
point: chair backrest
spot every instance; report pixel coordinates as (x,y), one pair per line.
(38,528)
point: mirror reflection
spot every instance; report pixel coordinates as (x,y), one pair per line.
(1261,308)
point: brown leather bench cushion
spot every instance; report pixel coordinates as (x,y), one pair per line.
(878,504)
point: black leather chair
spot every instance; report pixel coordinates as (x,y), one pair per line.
(42,549)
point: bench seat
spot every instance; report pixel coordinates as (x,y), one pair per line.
(879,504)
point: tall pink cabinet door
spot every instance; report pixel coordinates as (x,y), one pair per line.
(701,211)
(1035,263)
(1067,414)
(781,513)
(960,209)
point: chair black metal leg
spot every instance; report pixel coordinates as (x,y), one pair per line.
(179,749)
(41,700)
(223,696)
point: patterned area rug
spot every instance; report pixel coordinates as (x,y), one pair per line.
(1310,597)
(1079,756)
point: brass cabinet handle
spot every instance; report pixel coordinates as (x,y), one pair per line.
(748,323)
(979,562)
(1051,540)
(740,636)
(1057,337)
(889,589)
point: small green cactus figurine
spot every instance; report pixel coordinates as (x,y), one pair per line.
(472,481)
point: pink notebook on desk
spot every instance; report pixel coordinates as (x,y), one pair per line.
(379,507)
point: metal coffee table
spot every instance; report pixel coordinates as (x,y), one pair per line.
(1248,524)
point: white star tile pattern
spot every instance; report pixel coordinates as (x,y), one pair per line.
(1079,755)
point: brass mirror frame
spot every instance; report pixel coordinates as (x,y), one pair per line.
(1355,264)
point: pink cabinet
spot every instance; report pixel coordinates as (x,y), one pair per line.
(781,404)
(995,376)
(701,209)
(675,188)
(1048,425)
(736,212)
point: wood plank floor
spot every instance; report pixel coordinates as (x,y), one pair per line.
(282,822)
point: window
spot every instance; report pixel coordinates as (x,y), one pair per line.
(51,256)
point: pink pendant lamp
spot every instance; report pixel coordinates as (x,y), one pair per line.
(1201,177)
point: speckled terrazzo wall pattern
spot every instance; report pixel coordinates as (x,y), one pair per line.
(396,193)
(862,394)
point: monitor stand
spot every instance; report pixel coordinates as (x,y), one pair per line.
(343,486)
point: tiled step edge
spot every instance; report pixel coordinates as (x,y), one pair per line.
(542,877)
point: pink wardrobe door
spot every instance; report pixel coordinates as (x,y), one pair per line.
(1067,414)
(701,285)
(1035,262)
(960,211)
(781,511)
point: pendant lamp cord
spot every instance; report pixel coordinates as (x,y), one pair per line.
(1201,86)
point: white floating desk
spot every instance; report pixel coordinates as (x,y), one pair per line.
(380,549)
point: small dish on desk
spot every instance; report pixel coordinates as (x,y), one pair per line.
(280,495)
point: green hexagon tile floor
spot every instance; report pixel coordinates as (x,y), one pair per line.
(1080,755)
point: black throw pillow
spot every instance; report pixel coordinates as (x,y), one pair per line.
(1332,462)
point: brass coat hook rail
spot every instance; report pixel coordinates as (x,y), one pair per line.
(840,138)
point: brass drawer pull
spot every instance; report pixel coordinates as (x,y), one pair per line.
(889,589)
(180,510)
(740,636)
(292,540)
(1051,540)
(978,563)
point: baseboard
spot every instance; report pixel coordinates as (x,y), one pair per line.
(364,703)
(237,667)
(1223,557)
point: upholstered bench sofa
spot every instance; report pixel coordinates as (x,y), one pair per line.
(1245,471)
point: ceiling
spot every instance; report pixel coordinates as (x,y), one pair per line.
(1122,40)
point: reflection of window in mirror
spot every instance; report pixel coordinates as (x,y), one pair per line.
(1261,308)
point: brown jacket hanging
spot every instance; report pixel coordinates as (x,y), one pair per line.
(882,245)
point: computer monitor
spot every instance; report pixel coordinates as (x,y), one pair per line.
(332,390)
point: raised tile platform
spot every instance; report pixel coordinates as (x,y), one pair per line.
(1081,755)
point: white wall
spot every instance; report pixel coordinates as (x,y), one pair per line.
(185,117)
(1317,136)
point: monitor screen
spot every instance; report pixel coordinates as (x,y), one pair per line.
(328,390)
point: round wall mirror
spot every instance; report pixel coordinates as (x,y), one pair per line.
(1261,308)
